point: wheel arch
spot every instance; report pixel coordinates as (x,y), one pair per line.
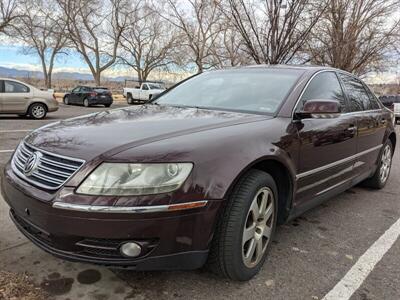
(37,102)
(283,177)
(392,138)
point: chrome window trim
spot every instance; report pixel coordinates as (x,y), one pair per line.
(308,83)
(336,163)
(125,209)
(344,94)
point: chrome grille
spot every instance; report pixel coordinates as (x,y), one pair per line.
(51,170)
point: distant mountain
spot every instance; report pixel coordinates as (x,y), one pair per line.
(11,72)
(8,72)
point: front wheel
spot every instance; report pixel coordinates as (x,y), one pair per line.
(129,98)
(37,111)
(86,103)
(66,100)
(246,228)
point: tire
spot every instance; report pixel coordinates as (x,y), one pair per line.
(107,105)
(86,103)
(129,98)
(37,111)
(66,100)
(381,175)
(229,247)
(150,96)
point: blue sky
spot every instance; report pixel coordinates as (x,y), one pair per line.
(12,56)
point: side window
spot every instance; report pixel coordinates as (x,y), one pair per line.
(358,96)
(323,86)
(145,87)
(373,100)
(76,90)
(15,87)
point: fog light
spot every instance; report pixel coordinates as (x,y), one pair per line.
(131,249)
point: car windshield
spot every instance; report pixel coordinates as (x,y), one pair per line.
(249,90)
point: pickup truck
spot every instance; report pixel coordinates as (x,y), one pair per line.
(143,94)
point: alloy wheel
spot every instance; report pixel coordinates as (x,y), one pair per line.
(258,227)
(386,162)
(38,111)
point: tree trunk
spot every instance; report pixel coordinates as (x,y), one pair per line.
(97,78)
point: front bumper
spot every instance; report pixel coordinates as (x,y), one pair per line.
(169,240)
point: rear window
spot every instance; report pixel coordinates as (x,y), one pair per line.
(101,90)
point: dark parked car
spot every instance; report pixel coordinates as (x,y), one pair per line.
(204,173)
(89,95)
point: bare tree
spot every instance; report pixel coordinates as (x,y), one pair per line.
(355,35)
(42,30)
(148,43)
(8,13)
(95,28)
(273,31)
(229,49)
(198,21)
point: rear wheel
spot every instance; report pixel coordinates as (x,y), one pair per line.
(381,175)
(66,100)
(37,111)
(86,103)
(246,228)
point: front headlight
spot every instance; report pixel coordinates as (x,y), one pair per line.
(123,179)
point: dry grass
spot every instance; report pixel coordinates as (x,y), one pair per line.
(19,287)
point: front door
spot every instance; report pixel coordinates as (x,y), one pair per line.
(371,123)
(326,145)
(15,97)
(74,96)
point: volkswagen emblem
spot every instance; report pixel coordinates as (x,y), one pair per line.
(32,163)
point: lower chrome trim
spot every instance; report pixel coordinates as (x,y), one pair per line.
(333,186)
(130,209)
(344,160)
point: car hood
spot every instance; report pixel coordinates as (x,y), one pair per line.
(109,132)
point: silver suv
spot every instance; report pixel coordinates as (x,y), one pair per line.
(23,99)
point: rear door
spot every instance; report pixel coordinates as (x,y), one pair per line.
(326,145)
(371,122)
(16,96)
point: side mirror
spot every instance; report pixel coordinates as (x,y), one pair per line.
(319,109)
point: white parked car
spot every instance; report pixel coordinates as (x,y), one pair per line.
(17,97)
(143,94)
(397,111)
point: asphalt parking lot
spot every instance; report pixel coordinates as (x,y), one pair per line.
(309,257)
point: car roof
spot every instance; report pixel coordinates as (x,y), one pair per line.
(93,87)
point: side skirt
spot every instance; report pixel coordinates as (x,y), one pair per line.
(321,198)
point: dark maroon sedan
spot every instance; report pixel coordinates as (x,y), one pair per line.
(201,175)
